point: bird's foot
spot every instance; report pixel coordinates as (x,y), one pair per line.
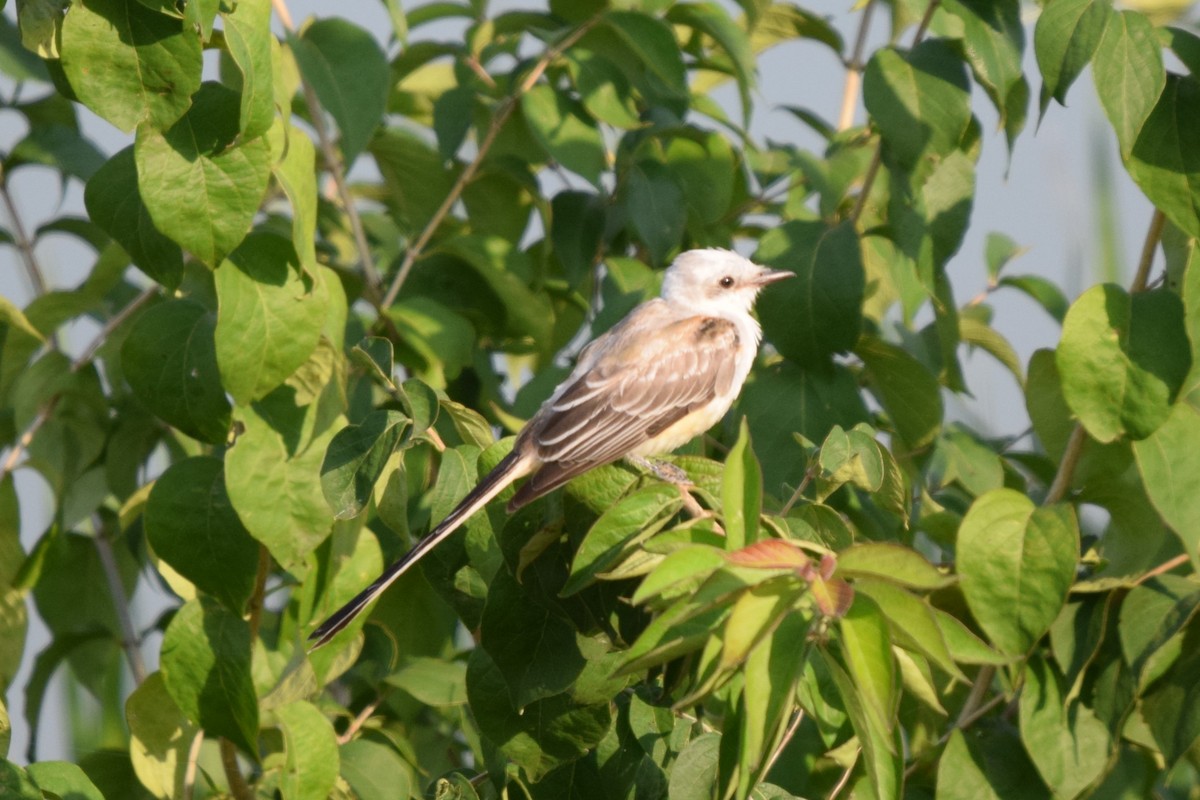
(662,470)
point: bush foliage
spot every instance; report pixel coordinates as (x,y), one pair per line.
(289,374)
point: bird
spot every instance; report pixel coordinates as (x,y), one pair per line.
(661,376)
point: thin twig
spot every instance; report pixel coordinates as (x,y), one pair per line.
(1153,235)
(794,726)
(361,718)
(260,590)
(237,782)
(845,779)
(193,757)
(507,106)
(1166,566)
(854,70)
(374,283)
(809,474)
(24,244)
(47,409)
(1066,467)
(112,576)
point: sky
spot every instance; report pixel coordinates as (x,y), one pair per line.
(1045,200)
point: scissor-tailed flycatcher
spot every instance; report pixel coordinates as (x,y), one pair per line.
(664,374)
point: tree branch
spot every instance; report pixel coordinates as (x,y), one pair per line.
(24,244)
(237,782)
(854,70)
(504,111)
(112,576)
(374,283)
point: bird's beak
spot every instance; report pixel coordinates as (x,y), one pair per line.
(769,276)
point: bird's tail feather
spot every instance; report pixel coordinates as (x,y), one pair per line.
(510,468)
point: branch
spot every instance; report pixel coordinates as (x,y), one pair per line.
(502,114)
(112,576)
(189,773)
(1153,236)
(237,782)
(14,455)
(361,718)
(23,242)
(374,282)
(854,69)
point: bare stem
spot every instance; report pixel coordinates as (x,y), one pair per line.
(1066,467)
(260,590)
(1153,235)
(24,244)
(333,162)
(845,779)
(793,726)
(502,114)
(237,782)
(112,576)
(193,757)
(361,718)
(854,70)
(1166,566)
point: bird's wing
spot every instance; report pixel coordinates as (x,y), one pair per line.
(644,378)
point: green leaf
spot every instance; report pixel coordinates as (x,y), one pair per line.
(248,37)
(375,771)
(130,64)
(1122,360)
(170,362)
(433,681)
(880,740)
(1171,706)
(543,735)
(1151,618)
(505,270)
(679,573)
(654,44)
(1129,74)
(356,458)
(312,765)
(1016,562)
(998,252)
(907,390)
(913,623)
(63,779)
(160,738)
(993,41)
(656,207)
(294,168)
(819,312)
(603,89)
(786,399)
(57,146)
(633,519)
(443,338)
(713,20)
(269,316)
(863,637)
(414,174)
(892,562)
(1044,293)
(13,614)
(1067,34)
(565,132)
(1169,463)
(206,668)
(577,221)
(1163,163)
(114,202)
(707,171)
(1067,743)
(532,646)
(741,492)
(349,73)
(920,100)
(988,767)
(276,492)
(192,526)
(201,185)
(694,772)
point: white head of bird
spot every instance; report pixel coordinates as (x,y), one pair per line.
(716,282)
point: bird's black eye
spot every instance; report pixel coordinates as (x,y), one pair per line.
(726,282)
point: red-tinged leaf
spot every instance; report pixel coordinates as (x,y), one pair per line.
(769,554)
(833,597)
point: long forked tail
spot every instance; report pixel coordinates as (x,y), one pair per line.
(510,468)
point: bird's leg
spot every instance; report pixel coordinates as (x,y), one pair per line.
(662,470)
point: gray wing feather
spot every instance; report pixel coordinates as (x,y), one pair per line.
(641,380)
